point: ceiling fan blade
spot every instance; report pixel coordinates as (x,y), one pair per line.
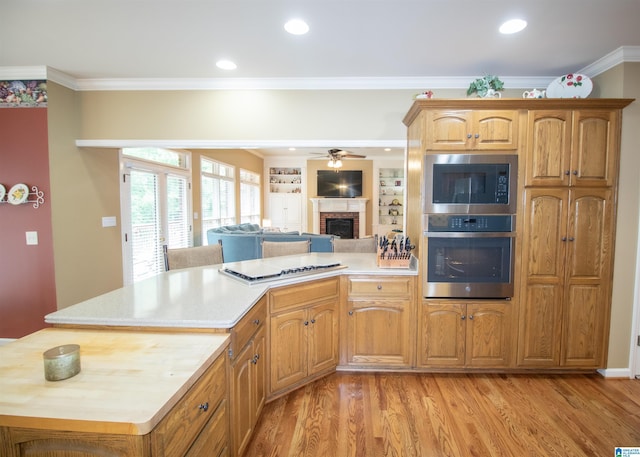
(354,156)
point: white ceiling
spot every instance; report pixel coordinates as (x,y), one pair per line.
(401,42)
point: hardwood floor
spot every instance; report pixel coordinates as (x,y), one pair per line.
(406,414)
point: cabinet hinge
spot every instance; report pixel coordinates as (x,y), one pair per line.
(230,353)
(638,340)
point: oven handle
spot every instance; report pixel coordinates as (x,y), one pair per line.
(470,234)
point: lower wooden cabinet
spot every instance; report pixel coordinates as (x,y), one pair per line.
(248,369)
(197,426)
(303,333)
(455,334)
(378,322)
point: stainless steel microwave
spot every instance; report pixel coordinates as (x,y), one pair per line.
(470,183)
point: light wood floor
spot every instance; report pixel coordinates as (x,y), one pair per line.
(358,415)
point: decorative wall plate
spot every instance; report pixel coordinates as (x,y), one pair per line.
(18,194)
(572,85)
(3,192)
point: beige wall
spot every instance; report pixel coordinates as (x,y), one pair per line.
(624,82)
(84,188)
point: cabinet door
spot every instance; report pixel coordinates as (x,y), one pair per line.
(488,335)
(322,337)
(285,211)
(495,130)
(288,349)
(378,332)
(594,148)
(543,257)
(472,130)
(549,148)
(589,258)
(448,130)
(259,372)
(442,340)
(241,411)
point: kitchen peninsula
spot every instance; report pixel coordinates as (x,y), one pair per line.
(246,343)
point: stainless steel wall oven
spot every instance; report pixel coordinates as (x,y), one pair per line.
(468,256)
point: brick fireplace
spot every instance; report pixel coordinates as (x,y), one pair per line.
(345,225)
(340,208)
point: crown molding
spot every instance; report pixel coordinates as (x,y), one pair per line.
(616,57)
(621,55)
(239,144)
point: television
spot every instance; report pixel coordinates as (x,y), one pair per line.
(341,183)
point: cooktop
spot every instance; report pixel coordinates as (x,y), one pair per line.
(275,268)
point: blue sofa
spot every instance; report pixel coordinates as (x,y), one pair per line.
(244,241)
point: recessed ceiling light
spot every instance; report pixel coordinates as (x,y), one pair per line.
(296,27)
(387,149)
(292,149)
(513,26)
(226,65)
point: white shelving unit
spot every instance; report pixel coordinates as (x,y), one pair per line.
(285,198)
(390,200)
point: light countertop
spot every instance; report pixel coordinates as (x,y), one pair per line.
(201,297)
(127,383)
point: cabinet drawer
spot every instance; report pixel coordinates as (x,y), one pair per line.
(247,327)
(213,439)
(175,433)
(380,286)
(302,294)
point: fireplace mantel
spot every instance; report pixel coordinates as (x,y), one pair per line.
(340,205)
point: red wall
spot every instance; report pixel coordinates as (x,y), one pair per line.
(27,281)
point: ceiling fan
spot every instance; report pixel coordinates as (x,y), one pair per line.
(335,157)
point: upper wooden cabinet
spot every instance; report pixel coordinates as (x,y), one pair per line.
(572,148)
(472,130)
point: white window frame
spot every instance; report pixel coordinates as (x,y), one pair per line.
(230,179)
(253,184)
(128,162)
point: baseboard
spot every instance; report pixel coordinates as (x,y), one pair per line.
(6,340)
(616,373)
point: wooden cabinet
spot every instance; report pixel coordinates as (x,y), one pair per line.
(196,426)
(456,334)
(566,277)
(303,333)
(285,211)
(471,130)
(248,369)
(572,148)
(379,321)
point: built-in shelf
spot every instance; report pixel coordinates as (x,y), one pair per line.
(285,180)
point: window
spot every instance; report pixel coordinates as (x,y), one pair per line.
(249,197)
(218,195)
(156,208)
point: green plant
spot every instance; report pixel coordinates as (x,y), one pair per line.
(482,85)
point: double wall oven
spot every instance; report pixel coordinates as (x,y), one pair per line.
(469,220)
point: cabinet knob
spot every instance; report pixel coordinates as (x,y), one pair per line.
(203,406)
(470,316)
(463,317)
(564,238)
(567,172)
(379,286)
(306,322)
(477,135)
(571,238)
(468,135)
(350,313)
(255,358)
(313,321)
(257,322)
(575,172)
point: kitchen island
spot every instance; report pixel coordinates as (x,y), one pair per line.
(131,397)
(203,297)
(283,332)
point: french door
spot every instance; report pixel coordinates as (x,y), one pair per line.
(156,211)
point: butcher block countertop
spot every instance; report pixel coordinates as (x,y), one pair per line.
(127,383)
(203,297)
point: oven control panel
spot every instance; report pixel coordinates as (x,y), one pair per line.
(470,223)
